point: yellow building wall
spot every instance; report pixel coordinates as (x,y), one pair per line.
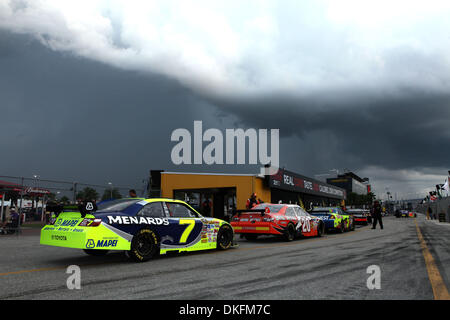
(245,185)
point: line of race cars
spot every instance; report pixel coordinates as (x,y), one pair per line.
(405,214)
(144,228)
(290,221)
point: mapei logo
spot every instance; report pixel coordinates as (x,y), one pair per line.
(66,223)
(106,243)
(90,244)
(101,243)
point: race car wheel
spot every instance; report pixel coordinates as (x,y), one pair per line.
(320,230)
(144,246)
(290,233)
(224,237)
(96,253)
(342,228)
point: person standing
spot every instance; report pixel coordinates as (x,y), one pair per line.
(132,193)
(429,212)
(376,214)
(252,201)
(206,208)
(12,223)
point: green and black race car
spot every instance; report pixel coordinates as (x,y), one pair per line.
(335,218)
(141,227)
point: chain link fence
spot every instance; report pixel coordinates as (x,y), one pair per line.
(24,200)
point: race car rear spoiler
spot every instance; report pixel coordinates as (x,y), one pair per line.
(262,211)
(83,208)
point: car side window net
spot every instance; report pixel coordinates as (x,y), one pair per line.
(177,210)
(154,210)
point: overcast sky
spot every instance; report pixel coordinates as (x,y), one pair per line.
(91,90)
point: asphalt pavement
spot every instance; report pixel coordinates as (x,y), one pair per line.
(331,267)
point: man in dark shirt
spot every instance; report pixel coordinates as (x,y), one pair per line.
(376,214)
(13,221)
(252,201)
(206,207)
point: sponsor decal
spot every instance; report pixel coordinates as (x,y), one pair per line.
(106,243)
(56,237)
(137,220)
(66,223)
(90,244)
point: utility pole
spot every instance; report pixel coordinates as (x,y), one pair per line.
(74,187)
(110,190)
(21,207)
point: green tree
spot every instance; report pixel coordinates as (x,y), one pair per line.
(51,196)
(111,194)
(87,193)
(64,199)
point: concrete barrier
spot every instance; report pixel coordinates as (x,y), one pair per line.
(440,208)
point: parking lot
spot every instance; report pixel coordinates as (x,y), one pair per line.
(330,267)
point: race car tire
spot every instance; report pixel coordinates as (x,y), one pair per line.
(320,229)
(224,237)
(290,233)
(144,246)
(251,237)
(96,253)
(342,228)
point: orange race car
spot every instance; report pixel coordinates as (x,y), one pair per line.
(286,220)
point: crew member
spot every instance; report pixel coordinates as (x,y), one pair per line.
(429,212)
(12,222)
(206,207)
(253,201)
(376,214)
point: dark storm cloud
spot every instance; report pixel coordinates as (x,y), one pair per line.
(67,117)
(402,130)
(70,118)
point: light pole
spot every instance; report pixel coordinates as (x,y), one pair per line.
(36,185)
(110,188)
